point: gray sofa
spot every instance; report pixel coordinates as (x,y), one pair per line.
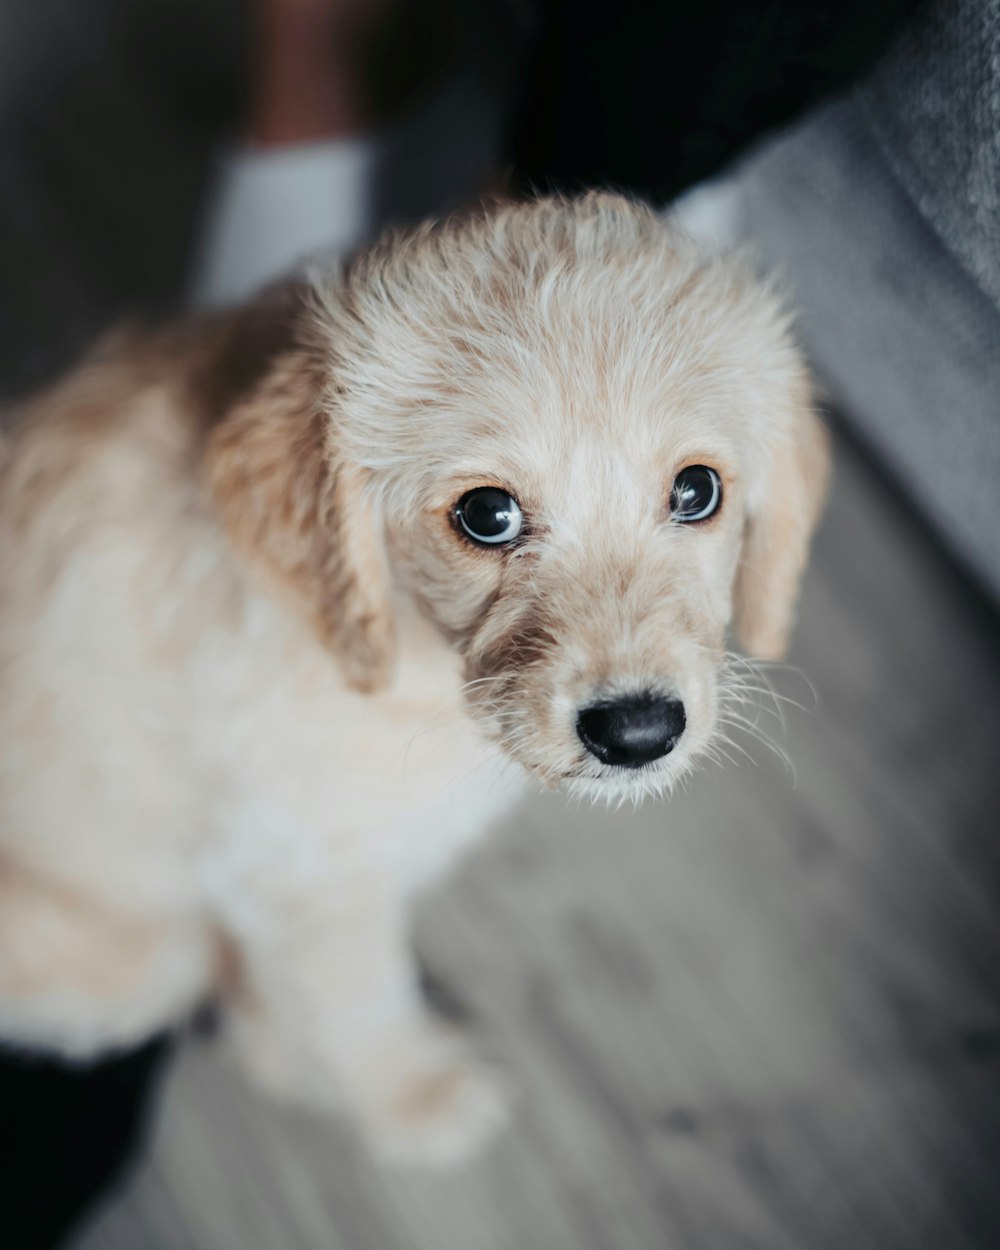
(881,211)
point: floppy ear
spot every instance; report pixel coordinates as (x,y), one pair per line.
(776,539)
(298,514)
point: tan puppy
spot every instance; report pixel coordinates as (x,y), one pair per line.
(285,591)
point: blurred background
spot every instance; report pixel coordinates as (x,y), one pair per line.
(766,1015)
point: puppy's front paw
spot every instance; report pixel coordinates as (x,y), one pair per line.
(439,1110)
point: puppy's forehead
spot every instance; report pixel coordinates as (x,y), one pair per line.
(563,426)
(649,385)
(622,353)
(561,460)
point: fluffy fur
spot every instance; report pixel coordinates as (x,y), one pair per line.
(255,687)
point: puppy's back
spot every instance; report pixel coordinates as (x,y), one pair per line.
(111,568)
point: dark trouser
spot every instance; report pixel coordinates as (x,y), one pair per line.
(67,1132)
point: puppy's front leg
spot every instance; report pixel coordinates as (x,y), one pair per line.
(329,1010)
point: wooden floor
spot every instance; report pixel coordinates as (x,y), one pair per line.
(765,1016)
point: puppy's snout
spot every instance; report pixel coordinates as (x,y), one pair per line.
(632,731)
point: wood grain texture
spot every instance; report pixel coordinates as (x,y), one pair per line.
(764,1016)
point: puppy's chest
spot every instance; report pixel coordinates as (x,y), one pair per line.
(316,774)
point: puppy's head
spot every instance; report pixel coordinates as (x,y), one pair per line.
(584,447)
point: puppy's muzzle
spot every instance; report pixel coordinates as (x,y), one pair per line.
(632,731)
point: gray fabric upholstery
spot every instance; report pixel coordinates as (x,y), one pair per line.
(882,213)
(933,106)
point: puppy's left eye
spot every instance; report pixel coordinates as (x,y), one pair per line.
(489,515)
(696,494)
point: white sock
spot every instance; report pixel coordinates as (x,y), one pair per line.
(272,207)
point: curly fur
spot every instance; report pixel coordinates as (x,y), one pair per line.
(256,689)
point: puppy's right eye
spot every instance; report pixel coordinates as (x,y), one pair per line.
(489,515)
(696,494)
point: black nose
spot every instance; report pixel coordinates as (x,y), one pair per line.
(632,731)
